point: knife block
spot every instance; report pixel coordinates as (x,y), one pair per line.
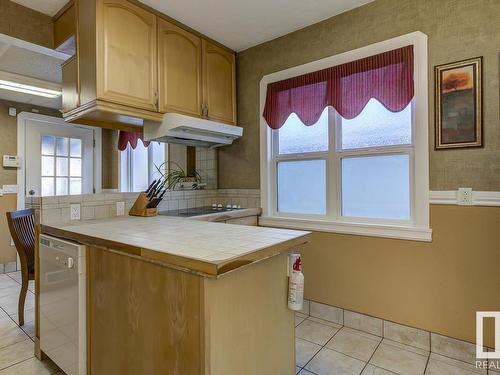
(139,207)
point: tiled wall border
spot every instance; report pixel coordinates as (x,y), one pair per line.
(430,341)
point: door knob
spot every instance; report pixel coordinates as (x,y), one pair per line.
(31,192)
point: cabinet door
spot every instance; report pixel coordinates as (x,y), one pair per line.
(179,73)
(126,54)
(219,83)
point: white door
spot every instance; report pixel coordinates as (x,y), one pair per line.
(59,158)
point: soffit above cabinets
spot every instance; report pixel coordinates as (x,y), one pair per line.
(30,60)
(240,24)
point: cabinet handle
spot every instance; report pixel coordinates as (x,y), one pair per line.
(156,100)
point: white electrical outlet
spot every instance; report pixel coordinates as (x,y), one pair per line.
(120,208)
(464,196)
(74,211)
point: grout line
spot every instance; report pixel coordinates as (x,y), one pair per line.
(369,359)
(427,363)
(320,349)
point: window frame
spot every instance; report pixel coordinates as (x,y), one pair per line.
(417,227)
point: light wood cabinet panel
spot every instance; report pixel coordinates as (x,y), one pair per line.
(126,54)
(69,84)
(179,70)
(219,87)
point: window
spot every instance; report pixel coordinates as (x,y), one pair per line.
(61,162)
(138,166)
(365,175)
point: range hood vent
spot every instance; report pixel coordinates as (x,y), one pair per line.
(191,131)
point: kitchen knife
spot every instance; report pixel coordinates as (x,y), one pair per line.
(156,201)
(153,191)
(150,186)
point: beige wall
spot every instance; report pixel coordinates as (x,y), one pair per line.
(26,24)
(8,134)
(110,155)
(436,286)
(457,29)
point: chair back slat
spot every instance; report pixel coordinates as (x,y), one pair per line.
(22,230)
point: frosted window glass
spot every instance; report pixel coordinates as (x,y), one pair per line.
(75,167)
(158,159)
(62,146)
(47,165)
(75,186)
(75,147)
(47,186)
(61,186)
(61,166)
(140,168)
(48,143)
(302,186)
(295,137)
(376,126)
(376,187)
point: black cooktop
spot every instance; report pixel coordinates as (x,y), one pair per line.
(196,211)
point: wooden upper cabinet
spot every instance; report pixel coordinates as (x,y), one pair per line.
(179,70)
(126,54)
(219,85)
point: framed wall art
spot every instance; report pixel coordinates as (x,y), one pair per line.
(458,104)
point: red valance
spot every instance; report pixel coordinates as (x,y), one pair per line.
(130,137)
(387,77)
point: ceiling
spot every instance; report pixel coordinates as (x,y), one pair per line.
(49,7)
(238,24)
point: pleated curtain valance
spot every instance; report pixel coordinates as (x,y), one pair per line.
(130,137)
(387,77)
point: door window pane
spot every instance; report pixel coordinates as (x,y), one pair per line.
(302,186)
(75,167)
(75,147)
(48,143)
(376,187)
(61,186)
(47,165)
(61,166)
(75,186)
(376,126)
(295,137)
(47,186)
(61,146)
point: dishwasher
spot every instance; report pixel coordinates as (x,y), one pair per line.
(63,304)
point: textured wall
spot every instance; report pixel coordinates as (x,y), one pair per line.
(26,24)
(457,29)
(8,134)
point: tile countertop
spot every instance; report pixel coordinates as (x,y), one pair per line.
(205,248)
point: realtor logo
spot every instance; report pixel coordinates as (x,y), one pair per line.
(480,350)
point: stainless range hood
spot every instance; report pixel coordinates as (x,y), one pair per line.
(191,131)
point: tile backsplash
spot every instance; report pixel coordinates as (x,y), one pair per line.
(103,205)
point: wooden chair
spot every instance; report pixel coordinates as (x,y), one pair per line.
(22,230)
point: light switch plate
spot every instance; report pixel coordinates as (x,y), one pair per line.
(74,211)
(120,208)
(9,189)
(464,196)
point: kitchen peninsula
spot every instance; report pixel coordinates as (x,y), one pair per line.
(175,296)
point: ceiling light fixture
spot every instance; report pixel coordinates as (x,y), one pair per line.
(28,85)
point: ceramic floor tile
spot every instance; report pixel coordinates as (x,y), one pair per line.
(299,318)
(305,372)
(31,366)
(354,343)
(9,303)
(330,362)
(29,316)
(399,360)
(304,351)
(315,332)
(16,353)
(374,370)
(10,333)
(440,365)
